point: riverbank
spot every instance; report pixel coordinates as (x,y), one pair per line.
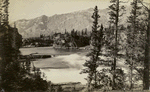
(50,51)
(85,47)
(68,87)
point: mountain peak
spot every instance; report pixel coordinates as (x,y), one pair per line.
(78,20)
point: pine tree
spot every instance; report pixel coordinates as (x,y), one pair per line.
(146,72)
(65,31)
(131,38)
(82,33)
(72,32)
(114,19)
(13,72)
(85,31)
(96,45)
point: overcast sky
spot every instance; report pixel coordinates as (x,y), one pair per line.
(27,9)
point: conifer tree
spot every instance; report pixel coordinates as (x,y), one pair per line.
(65,31)
(114,19)
(85,31)
(146,73)
(132,40)
(96,45)
(12,71)
(82,33)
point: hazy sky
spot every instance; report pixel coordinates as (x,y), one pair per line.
(27,9)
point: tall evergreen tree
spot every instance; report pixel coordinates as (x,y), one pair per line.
(146,72)
(82,32)
(65,31)
(96,45)
(114,19)
(13,72)
(85,31)
(132,39)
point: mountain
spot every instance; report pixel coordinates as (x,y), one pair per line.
(78,20)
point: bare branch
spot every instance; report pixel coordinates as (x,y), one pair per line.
(146,3)
(146,8)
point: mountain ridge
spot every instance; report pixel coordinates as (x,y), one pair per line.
(77,20)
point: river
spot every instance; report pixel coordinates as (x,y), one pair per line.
(65,67)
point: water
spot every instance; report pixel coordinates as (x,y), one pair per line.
(67,64)
(49,51)
(63,68)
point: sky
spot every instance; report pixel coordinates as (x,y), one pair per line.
(28,9)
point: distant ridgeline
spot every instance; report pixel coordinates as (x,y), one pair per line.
(74,39)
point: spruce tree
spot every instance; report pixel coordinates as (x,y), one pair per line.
(114,20)
(12,71)
(132,39)
(85,31)
(96,45)
(82,33)
(146,72)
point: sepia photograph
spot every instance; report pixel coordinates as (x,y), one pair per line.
(74,45)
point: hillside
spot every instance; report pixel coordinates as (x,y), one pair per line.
(58,23)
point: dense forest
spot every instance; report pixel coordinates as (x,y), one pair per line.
(130,43)
(62,40)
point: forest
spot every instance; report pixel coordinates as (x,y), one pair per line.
(62,40)
(132,40)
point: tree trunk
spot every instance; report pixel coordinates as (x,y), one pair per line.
(134,34)
(149,48)
(115,54)
(131,68)
(89,82)
(146,79)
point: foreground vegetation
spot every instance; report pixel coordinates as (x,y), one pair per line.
(132,41)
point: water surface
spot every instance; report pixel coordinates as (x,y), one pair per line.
(65,67)
(67,64)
